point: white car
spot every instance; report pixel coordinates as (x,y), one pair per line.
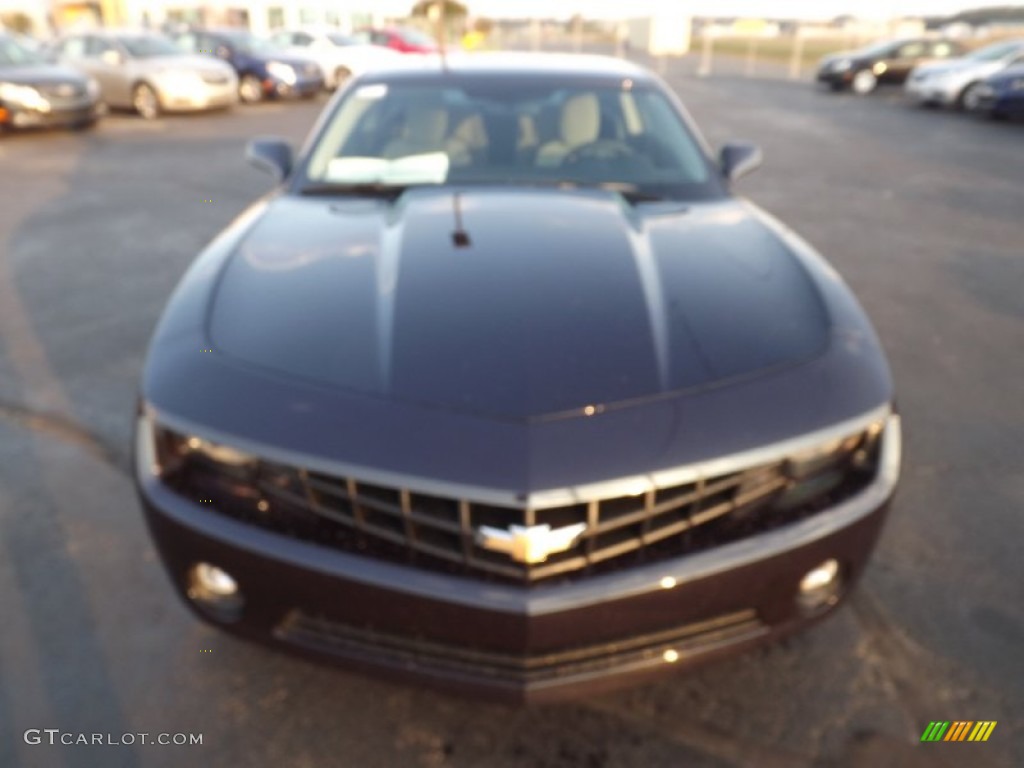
(340,56)
(956,82)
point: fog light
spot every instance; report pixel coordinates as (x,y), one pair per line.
(820,586)
(214,580)
(215,591)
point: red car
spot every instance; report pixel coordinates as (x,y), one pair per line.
(404,39)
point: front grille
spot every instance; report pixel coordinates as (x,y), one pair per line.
(62,90)
(440,533)
(321,634)
(62,94)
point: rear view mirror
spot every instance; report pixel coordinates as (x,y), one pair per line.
(271,154)
(738,158)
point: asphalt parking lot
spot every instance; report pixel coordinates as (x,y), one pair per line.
(920,212)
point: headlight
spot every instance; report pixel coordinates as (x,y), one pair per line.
(23,96)
(840,65)
(814,474)
(199,469)
(227,480)
(92,87)
(282,71)
(1016,85)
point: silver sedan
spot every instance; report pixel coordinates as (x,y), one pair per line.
(146,72)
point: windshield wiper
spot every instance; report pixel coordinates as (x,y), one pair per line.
(363,189)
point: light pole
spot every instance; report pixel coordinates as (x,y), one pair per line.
(436,15)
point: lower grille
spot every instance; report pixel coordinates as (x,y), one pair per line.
(327,636)
(441,533)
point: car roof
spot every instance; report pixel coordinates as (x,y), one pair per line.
(518,64)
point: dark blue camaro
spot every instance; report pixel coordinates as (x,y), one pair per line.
(503,388)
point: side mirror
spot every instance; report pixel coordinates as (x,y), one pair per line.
(738,158)
(112,57)
(272,155)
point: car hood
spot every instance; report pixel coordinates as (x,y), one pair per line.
(1009,73)
(40,74)
(960,67)
(559,301)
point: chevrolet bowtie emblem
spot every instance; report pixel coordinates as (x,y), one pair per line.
(529,544)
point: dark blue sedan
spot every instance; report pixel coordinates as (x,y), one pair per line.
(264,70)
(1002,95)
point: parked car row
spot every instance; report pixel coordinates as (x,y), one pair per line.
(73,80)
(935,72)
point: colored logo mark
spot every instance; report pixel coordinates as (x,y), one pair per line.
(959,730)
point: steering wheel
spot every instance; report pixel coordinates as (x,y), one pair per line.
(601,149)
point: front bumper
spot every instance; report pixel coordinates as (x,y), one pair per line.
(994,102)
(930,92)
(199,98)
(835,78)
(509,642)
(303,87)
(70,115)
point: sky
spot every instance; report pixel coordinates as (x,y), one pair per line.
(806,9)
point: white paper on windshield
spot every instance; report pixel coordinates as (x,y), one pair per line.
(372,92)
(429,168)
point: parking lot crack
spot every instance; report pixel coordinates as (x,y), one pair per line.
(59,427)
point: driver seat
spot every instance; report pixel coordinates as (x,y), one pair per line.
(580,124)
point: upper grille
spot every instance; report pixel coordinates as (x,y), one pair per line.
(57,92)
(436,532)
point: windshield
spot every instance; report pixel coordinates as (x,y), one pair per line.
(249,43)
(149,46)
(339,39)
(542,132)
(14,55)
(879,49)
(996,52)
(415,37)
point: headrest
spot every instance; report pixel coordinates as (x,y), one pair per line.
(581,119)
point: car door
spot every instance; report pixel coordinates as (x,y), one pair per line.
(942,49)
(905,58)
(114,67)
(98,58)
